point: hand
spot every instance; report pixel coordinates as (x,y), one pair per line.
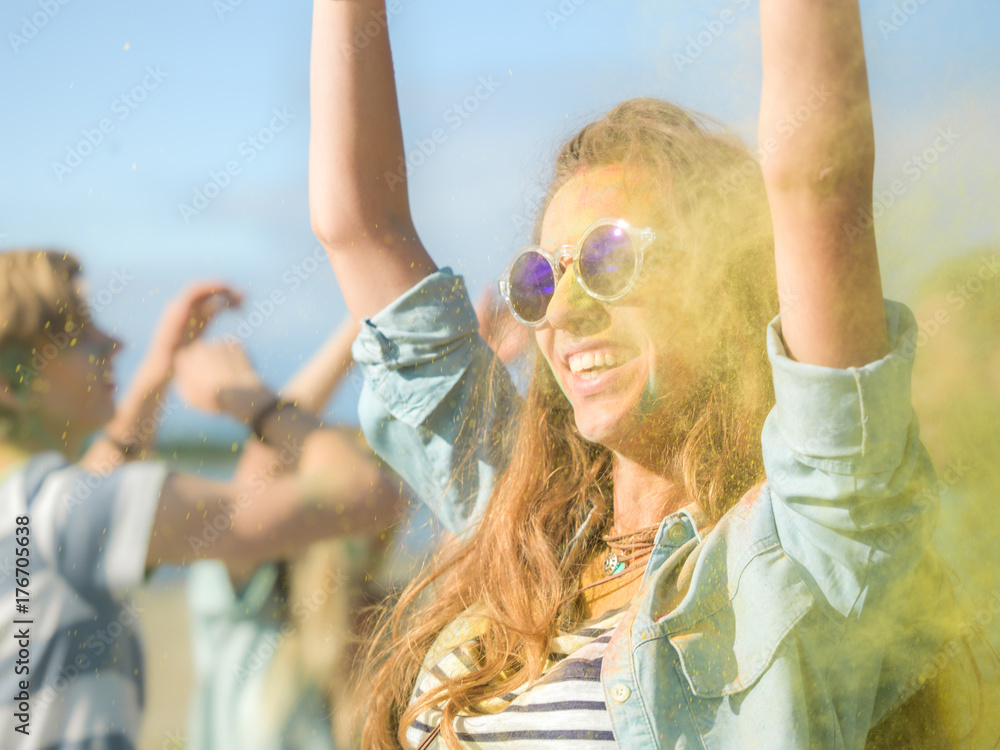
(186,316)
(218,377)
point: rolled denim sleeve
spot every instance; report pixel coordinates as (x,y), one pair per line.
(435,400)
(852,487)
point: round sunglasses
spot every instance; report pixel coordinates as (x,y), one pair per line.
(607,260)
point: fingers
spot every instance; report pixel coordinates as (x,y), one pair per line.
(206,288)
(200,302)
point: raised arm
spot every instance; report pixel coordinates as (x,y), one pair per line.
(131,435)
(361,218)
(265,516)
(818,173)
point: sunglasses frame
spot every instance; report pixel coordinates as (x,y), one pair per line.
(640,237)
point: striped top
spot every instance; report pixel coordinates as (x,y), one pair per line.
(564,708)
(86,541)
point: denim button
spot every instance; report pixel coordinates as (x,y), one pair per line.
(676,532)
(621,692)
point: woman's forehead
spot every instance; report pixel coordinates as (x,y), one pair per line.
(588,196)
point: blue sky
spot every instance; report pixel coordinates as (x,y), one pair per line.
(211,73)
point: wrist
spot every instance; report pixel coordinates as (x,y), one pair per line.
(278,419)
(263,415)
(246,404)
(130,447)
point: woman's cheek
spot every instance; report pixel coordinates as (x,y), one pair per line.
(556,375)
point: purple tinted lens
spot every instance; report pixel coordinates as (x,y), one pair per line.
(607,260)
(532,285)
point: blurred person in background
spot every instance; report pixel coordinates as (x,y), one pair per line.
(273,645)
(91,523)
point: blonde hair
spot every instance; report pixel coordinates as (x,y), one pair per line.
(709,192)
(314,653)
(41,306)
(40,290)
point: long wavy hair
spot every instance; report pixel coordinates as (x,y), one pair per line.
(708,192)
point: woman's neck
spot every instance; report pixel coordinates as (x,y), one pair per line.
(643,496)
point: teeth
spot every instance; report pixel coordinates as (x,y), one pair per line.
(591,360)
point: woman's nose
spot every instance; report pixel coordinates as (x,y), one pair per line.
(572,309)
(566,259)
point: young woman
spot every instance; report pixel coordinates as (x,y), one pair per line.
(82,529)
(642,559)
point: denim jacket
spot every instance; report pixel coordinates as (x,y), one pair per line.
(792,623)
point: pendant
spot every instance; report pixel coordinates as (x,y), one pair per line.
(612,566)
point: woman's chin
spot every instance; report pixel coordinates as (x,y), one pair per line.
(625,428)
(605,428)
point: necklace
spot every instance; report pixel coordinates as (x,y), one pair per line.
(612,565)
(626,548)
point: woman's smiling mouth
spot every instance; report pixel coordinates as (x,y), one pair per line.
(588,365)
(593,369)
